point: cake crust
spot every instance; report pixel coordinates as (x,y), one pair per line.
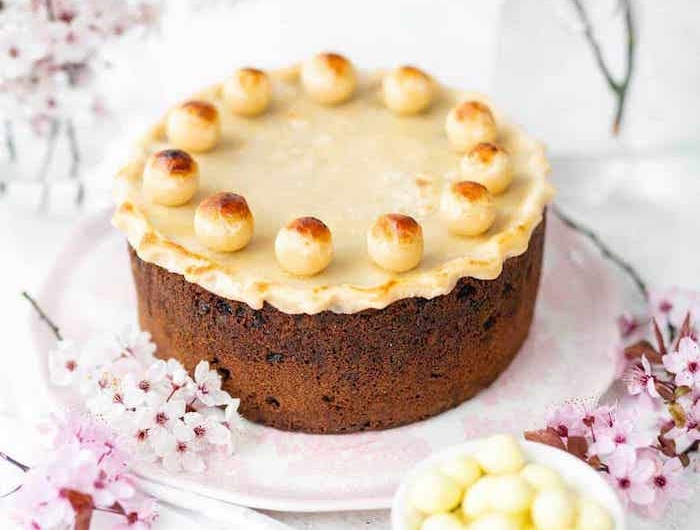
(344,372)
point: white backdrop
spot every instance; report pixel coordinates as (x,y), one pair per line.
(644,203)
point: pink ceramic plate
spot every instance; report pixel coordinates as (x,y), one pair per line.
(568,355)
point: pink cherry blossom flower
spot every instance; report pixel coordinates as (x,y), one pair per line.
(632,476)
(576,419)
(632,327)
(669,485)
(661,303)
(105,489)
(566,420)
(138,515)
(621,433)
(672,305)
(39,505)
(93,435)
(208,386)
(639,378)
(685,363)
(86,466)
(179,449)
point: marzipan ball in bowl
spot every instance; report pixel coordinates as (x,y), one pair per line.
(503,483)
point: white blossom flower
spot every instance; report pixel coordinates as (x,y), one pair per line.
(137,437)
(149,402)
(208,386)
(163,417)
(131,342)
(141,386)
(207,429)
(19,49)
(180,450)
(64,363)
(112,402)
(181,384)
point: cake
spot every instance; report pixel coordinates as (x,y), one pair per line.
(350,250)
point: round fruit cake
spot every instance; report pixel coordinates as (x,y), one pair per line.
(351,250)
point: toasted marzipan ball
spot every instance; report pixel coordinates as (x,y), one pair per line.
(467,208)
(464,470)
(553,509)
(494,521)
(224,222)
(500,454)
(170,177)
(434,493)
(304,246)
(511,494)
(592,516)
(443,521)
(478,498)
(407,90)
(395,242)
(489,165)
(248,92)
(329,78)
(469,124)
(194,126)
(541,477)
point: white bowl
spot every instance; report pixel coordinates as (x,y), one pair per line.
(581,477)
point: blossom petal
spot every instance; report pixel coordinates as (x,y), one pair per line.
(641,494)
(201,371)
(193,462)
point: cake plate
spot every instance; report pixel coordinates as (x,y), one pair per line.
(570,354)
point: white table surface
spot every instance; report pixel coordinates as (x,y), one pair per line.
(644,208)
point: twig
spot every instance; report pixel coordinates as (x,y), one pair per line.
(46,161)
(619,88)
(75,160)
(14,462)
(10,141)
(9,147)
(604,249)
(49,10)
(54,328)
(73,146)
(15,490)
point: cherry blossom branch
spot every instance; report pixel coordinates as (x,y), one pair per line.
(604,249)
(10,141)
(49,10)
(8,458)
(48,157)
(73,146)
(619,88)
(75,159)
(43,316)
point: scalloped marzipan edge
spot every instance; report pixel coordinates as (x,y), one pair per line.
(154,247)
